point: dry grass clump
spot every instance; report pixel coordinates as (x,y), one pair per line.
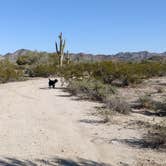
(146,102)
(117,104)
(105,113)
(158,108)
(156,136)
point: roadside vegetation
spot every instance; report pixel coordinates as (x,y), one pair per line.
(9,72)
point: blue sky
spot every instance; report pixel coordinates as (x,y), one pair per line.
(91,26)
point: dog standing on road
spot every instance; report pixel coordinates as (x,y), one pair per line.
(51,83)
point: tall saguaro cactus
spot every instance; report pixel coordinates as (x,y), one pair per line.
(60,50)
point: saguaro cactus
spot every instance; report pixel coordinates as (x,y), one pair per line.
(68,59)
(60,50)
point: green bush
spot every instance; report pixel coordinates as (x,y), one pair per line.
(26,60)
(42,71)
(9,72)
(92,89)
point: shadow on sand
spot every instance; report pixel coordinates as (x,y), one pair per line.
(88,121)
(7,161)
(144,143)
(47,88)
(157,108)
(66,95)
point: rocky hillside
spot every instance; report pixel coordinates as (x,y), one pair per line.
(83,57)
(122,56)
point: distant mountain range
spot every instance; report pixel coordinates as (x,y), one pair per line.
(83,57)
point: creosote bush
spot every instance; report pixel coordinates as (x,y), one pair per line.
(9,72)
(42,70)
(92,89)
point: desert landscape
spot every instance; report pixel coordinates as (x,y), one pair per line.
(82,83)
(42,126)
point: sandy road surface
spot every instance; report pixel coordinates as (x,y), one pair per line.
(41,126)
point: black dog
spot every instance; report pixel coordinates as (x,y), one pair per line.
(52,83)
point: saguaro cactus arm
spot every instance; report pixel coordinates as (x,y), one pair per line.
(56,45)
(68,57)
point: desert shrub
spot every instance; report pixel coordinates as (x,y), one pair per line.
(42,71)
(96,90)
(35,58)
(105,114)
(37,64)
(156,136)
(157,108)
(146,102)
(117,104)
(9,72)
(26,60)
(92,89)
(77,71)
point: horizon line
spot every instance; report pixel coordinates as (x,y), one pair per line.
(81,52)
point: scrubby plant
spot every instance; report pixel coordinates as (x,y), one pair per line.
(146,102)
(117,104)
(156,136)
(9,72)
(26,60)
(42,71)
(96,90)
(92,89)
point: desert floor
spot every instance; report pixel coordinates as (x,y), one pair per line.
(42,126)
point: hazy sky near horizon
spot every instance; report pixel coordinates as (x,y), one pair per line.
(91,26)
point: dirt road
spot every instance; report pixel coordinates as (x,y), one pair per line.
(43,126)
